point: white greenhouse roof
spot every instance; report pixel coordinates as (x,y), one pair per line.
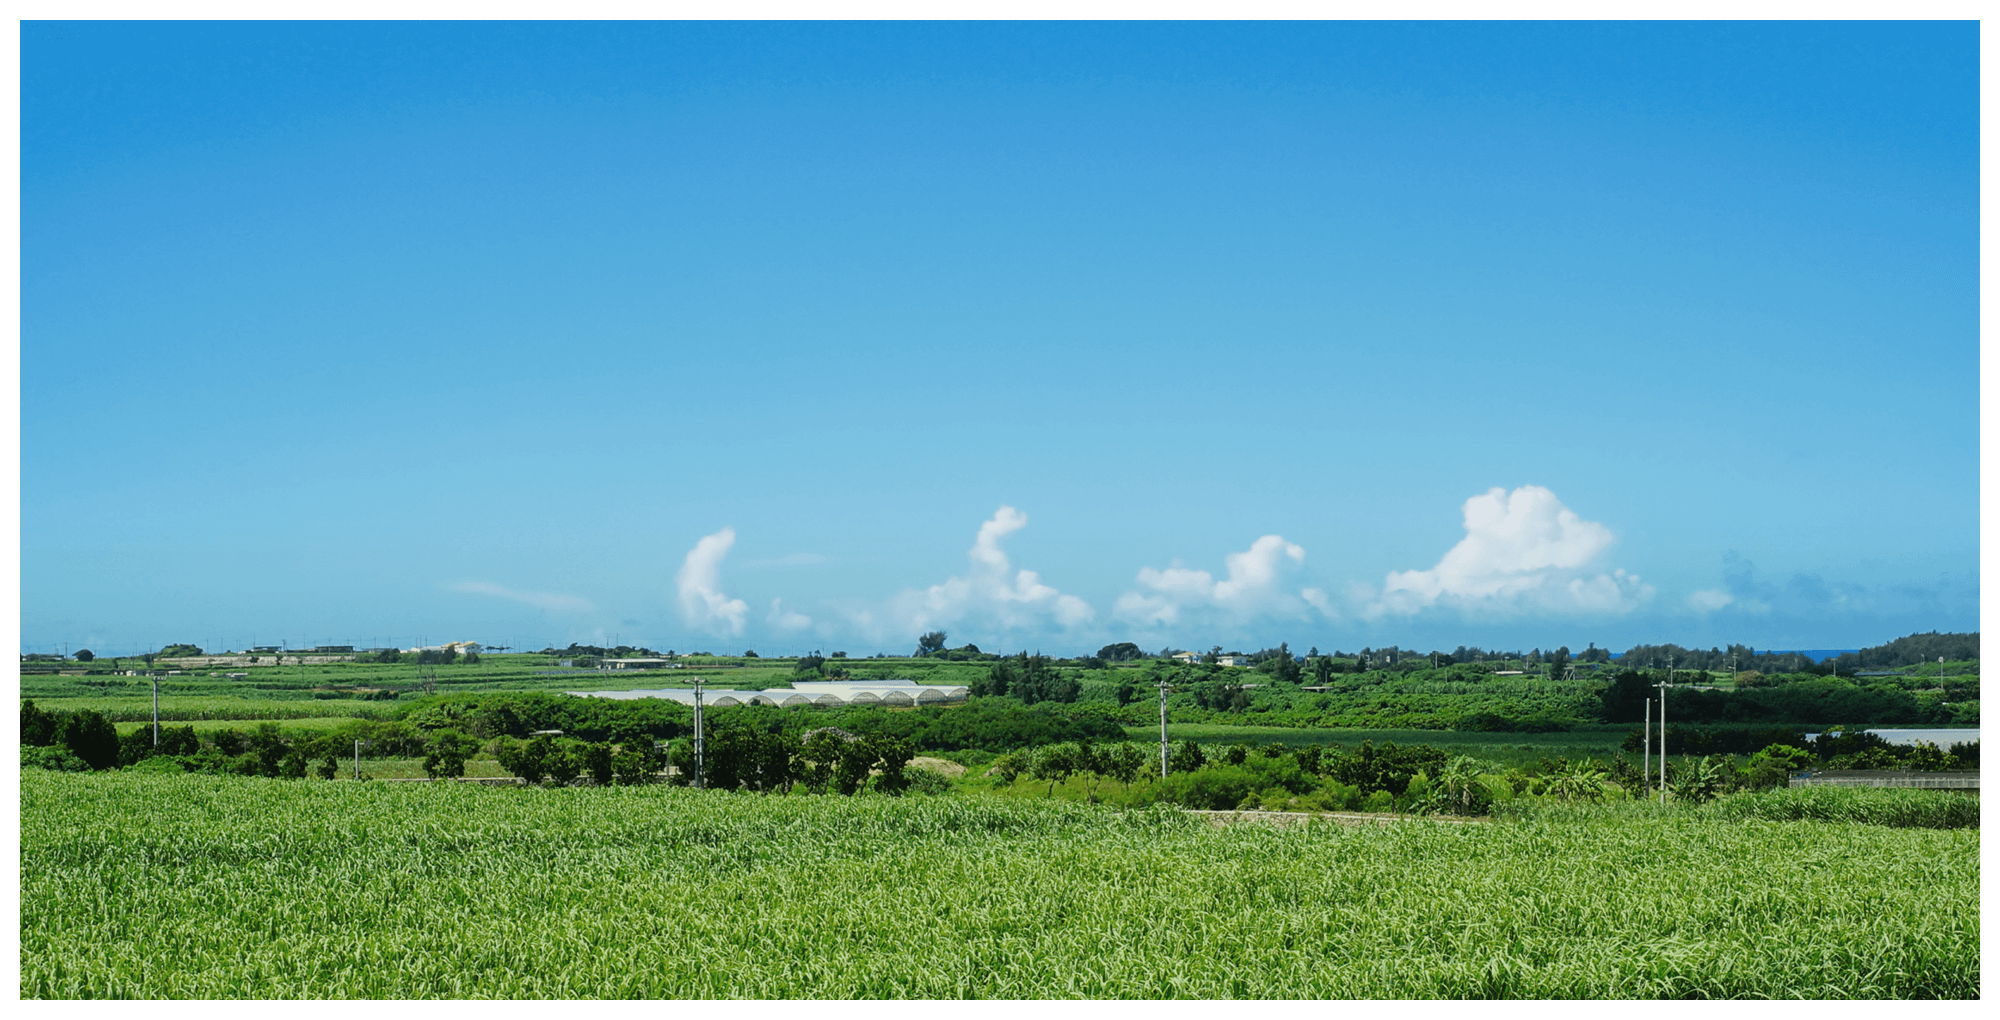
(806,692)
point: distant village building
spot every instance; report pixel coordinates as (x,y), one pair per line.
(1192,658)
(461,647)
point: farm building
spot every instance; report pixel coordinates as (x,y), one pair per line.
(461,647)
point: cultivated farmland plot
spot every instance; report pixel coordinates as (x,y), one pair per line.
(200,886)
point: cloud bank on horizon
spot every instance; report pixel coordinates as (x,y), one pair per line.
(1524,554)
(1252,588)
(991,593)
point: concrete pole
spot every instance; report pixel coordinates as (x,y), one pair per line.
(156,711)
(1646,749)
(698,749)
(1663,741)
(1163,727)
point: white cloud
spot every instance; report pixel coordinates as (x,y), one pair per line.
(1523,552)
(551,601)
(1708,601)
(1254,586)
(785,619)
(702,605)
(990,596)
(1319,600)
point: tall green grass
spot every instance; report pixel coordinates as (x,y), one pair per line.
(198,887)
(1898,808)
(1848,806)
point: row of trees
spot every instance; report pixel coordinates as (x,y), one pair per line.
(1031,678)
(601,652)
(1368,778)
(1368,768)
(816,665)
(1911,650)
(1804,700)
(562,761)
(85,739)
(735,757)
(1415,778)
(826,760)
(1848,748)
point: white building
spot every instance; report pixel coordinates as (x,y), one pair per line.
(461,647)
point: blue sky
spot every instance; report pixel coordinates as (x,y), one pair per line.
(774,336)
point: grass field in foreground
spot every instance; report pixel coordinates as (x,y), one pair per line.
(198,886)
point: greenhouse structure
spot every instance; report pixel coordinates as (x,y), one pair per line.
(831,693)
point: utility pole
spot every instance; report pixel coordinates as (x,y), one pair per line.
(1163,726)
(358,745)
(1646,749)
(156,711)
(1663,733)
(698,757)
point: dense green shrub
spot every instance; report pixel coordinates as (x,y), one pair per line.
(89,736)
(636,761)
(446,756)
(1214,788)
(929,782)
(159,764)
(1388,767)
(526,759)
(55,759)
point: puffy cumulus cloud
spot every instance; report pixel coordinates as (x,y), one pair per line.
(991,595)
(702,603)
(1254,586)
(1523,552)
(552,601)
